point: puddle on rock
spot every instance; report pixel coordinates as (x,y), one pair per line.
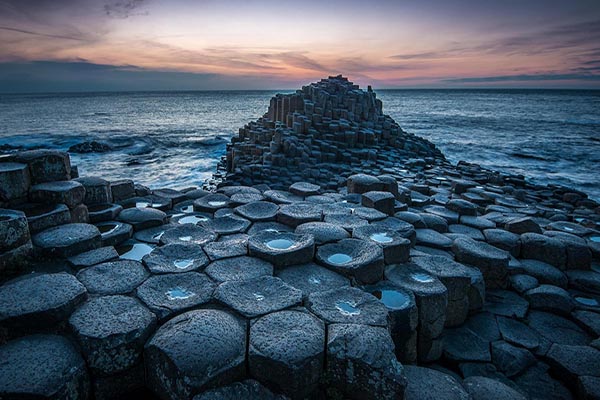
(217,203)
(191,219)
(188,209)
(391,298)
(179,293)
(145,204)
(158,235)
(595,239)
(587,301)
(381,238)
(314,280)
(339,258)
(135,251)
(185,238)
(107,229)
(280,244)
(184,263)
(421,277)
(347,307)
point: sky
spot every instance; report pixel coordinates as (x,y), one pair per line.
(97,45)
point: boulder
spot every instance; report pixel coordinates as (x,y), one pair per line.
(492,262)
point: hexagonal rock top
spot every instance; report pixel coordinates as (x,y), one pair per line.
(188,234)
(348,305)
(175,258)
(42,366)
(299,213)
(114,277)
(238,268)
(248,389)
(361,362)
(287,349)
(353,258)
(491,261)
(258,211)
(142,218)
(258,296)
(312,278)
(68,240)
(14,230)
(194,351)
(282,249)
(39,300)
(170,294)
(112,331)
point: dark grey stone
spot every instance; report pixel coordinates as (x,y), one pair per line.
(539,385)
(14,230)
(522,282)
(304,189)
(362,183)
(570,362)
(282,249)
(348,305)
(258,296)
(347,221)
(170,294)
(380,201)
(518,333)
(195,351)
(579,255)
(354,258)
(70,193)
(323,232)
(97,190)
(506,303)
(111,331)
(588,388)
(550,298)
(258,227)
(462,344)
(509,359)
(504,240)
(435,222)
(587,281)
(544,273)
(14,181)
(557,329)
(429,384)
(431,238)
(299,213)
(188,233)
(310,278)
(544,248)
(482,388)
(45,165)
(430,294)
(42,367)
(93,257)
(68,240)
(248,389)
(227,225)
(211,202)
(44,216)
(492,262)
(258,211)
(522,225)
(115,277)
(114,233)
(361,362)
(287,350)
(103,212)
(175,258)
(143,218)
(396,248)
(238,268)
(39,301)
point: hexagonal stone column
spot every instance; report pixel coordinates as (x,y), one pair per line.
(211,203)
(491,261)
(111,331)
(70,193)
(114,277)
(258,211)
(310,278)
(195,351)
(143,218)
(362,183)
(14,181)
(396,247)
(354,258)
(45,165)
(15,241)
(381,201)
(176,258)
(68,240)
(42,367)
(248,389)
(238,269)
(188,234)
(361,362)
(457,279)
(348,305)
(404,318)
(258,296)
(170,294)
(39,301)
(299,213)
(97,190)
(286,350)
(282,249)
(304,189)
(432,300)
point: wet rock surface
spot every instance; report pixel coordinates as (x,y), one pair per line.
(330,247)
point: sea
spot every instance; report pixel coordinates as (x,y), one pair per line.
(175,139)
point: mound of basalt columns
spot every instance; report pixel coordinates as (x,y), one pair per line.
(336,251)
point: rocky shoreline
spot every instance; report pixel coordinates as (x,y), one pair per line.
(333,255)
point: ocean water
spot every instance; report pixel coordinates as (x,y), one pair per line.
(175,139)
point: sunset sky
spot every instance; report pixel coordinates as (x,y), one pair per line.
(79,45)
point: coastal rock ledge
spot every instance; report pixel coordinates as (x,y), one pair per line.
(333,256)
